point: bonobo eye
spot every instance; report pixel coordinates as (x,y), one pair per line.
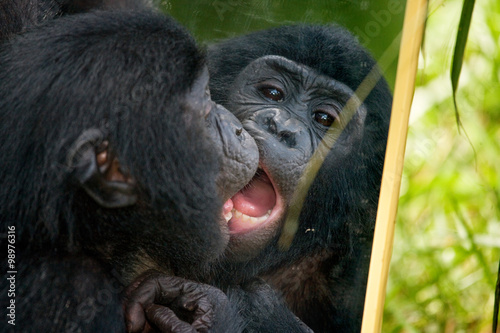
(272,93)
(323,118)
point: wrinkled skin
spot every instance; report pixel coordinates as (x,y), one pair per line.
(235,149)
(172,304)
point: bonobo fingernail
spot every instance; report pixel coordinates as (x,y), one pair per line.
(190,306)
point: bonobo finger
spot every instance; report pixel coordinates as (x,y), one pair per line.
(203,309)
(148,288)
(135,317)
(166,321)
(138,295)
(137,281)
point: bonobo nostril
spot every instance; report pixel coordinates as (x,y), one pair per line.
(239,131)
(288,138)
(273,127)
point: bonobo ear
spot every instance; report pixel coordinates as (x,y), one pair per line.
(98,171)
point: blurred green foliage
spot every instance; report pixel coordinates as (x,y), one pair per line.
(447,241)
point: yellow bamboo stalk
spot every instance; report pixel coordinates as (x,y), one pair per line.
(413,27)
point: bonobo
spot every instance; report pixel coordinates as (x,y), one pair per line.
(115,161)
(289,86)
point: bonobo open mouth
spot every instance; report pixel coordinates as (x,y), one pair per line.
(253,206)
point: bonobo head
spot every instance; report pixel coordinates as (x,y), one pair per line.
(112,144)
(289,86)
(288,108)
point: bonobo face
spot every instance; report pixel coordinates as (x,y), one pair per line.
(207,157)
(287,108)
(236,150)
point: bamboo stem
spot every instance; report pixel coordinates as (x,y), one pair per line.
(411,40)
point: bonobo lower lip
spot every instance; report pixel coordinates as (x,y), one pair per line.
(254,206)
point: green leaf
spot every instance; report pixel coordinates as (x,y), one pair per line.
(458,54)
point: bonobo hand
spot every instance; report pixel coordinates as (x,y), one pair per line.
(157,302)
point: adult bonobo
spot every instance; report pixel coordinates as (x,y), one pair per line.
(114,161)
(288,86)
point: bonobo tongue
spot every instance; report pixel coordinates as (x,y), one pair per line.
(257,198)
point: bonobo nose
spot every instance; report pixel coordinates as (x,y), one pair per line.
(237,128)
(228,123)
(281,125)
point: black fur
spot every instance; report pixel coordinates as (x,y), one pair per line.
(323,274)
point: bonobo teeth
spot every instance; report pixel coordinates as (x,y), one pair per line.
(228,216)
(249,219)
